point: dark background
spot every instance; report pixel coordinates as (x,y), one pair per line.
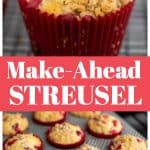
(138,120)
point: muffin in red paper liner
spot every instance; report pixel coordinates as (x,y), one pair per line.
(14,123)
(24,141)
(65,135)
(49,117)
(86,114)
(127,142)
(76,27)
(104,126)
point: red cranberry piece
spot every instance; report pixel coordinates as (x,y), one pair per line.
(115,122)
(119,147)
(16,127)
(113,131)
(139,140)
(78,133)
(11,142)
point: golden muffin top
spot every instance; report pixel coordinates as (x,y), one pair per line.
(65,133)
(82,7)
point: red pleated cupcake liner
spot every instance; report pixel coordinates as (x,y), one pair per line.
(67,35)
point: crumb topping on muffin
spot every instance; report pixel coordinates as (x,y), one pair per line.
(105,124)
(65,134)
(48,116)
(128,142)
(23,142)
(86,114)
(82,7)
(87,147)
(14,123)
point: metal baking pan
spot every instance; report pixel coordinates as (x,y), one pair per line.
(40,130)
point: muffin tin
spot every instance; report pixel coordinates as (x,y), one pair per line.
(40,130)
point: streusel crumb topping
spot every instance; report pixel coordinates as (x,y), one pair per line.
(82,7)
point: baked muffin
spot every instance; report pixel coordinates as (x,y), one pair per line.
(105,126)
(87,147)
(86,114)
(128,142)
(14,123)
(49,117)
(65,135)
(76,27)
(26,141)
